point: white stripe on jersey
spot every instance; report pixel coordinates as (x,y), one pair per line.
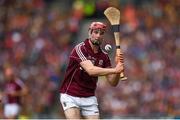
(79,52)
(20,83)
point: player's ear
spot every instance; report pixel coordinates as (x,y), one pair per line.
(89,32)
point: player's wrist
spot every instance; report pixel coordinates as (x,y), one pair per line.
(116,71)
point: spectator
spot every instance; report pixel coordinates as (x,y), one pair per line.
(14,90)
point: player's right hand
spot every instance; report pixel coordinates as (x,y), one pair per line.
(119,67)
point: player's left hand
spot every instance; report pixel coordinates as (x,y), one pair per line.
(119,58)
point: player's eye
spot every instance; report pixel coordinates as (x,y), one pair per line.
(96,31)
(102,33)
(99,32)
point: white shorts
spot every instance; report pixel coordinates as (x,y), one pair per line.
(11,110)
(87,105)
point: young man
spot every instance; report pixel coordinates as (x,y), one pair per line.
(14,89)
(86,62)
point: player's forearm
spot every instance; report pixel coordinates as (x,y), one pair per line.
(93,70)
(98,71)
(19,93)
(113,79)
(24,91)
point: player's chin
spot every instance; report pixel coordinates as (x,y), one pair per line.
(97,42)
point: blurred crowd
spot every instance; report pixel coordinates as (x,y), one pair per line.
(36,37)
(35,40)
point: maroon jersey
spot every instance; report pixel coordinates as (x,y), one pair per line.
(77,82)
(13,86)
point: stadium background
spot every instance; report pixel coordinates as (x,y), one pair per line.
(36,37)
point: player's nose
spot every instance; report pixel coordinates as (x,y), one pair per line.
(99,35)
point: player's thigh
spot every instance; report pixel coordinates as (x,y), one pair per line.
(90,112)
(70,107)
(89,107)
(91,117)
(72,113)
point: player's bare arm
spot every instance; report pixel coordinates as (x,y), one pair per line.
(98,71)
(113,79)
(22,92)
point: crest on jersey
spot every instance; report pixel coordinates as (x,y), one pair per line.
(100,62)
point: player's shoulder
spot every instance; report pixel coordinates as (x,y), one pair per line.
(80,44)
(78,48)
(104,52)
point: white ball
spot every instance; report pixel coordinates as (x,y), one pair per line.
(108,47)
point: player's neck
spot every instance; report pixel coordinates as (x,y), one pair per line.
(95,48)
